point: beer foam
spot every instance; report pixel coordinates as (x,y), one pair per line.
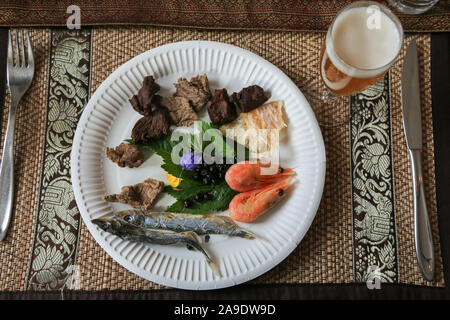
(366,40)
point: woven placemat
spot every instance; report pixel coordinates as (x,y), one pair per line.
(303,15)
(48,242)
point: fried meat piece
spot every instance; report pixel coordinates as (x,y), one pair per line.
(249,98)
(125,155)
(141,196)
(179,109)
(196,91)
(151,127)
(220,110)
(142,101)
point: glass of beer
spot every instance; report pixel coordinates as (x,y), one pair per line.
(362,42)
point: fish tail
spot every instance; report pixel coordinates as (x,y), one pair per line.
(248,235)
(214,268)
(194,242)
(242,233)
(209,261)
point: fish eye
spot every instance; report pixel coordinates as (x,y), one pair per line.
(105,225)
(128,218)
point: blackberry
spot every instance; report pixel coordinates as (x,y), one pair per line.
(187,203)
(207,196)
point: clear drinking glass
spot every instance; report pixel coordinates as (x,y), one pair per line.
(413,6)
(361,44)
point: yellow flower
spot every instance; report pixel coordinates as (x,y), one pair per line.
(173,181)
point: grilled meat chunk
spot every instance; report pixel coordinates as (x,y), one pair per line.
(196,91)
(220,110)
(151,127)
(179,110)
(141,196)
(249,98)
(142,101)
(125,155)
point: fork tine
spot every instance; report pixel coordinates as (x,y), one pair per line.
(17,49)
(30,52)
(10,59)
(24,61)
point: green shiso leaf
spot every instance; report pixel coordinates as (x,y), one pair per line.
(163,148)
(222,195)
(188,188)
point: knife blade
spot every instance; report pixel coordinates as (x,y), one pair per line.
(412,123)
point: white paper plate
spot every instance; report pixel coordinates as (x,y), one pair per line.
(108,119)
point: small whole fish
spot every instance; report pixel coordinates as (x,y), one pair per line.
(127,231)
(200,224)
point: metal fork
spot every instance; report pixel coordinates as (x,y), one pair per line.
(20,71)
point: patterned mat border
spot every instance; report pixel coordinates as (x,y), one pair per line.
(302,15)
(58,219)
(374,231)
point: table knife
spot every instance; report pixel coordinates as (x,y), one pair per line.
(412,122)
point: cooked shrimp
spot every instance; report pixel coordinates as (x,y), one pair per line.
(250,175)
(248,206)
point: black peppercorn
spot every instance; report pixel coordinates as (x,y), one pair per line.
(207,196)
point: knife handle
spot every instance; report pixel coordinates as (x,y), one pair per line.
(422,229)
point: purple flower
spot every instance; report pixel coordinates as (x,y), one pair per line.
(189,161)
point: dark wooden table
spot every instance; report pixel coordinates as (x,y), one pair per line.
(440,92)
